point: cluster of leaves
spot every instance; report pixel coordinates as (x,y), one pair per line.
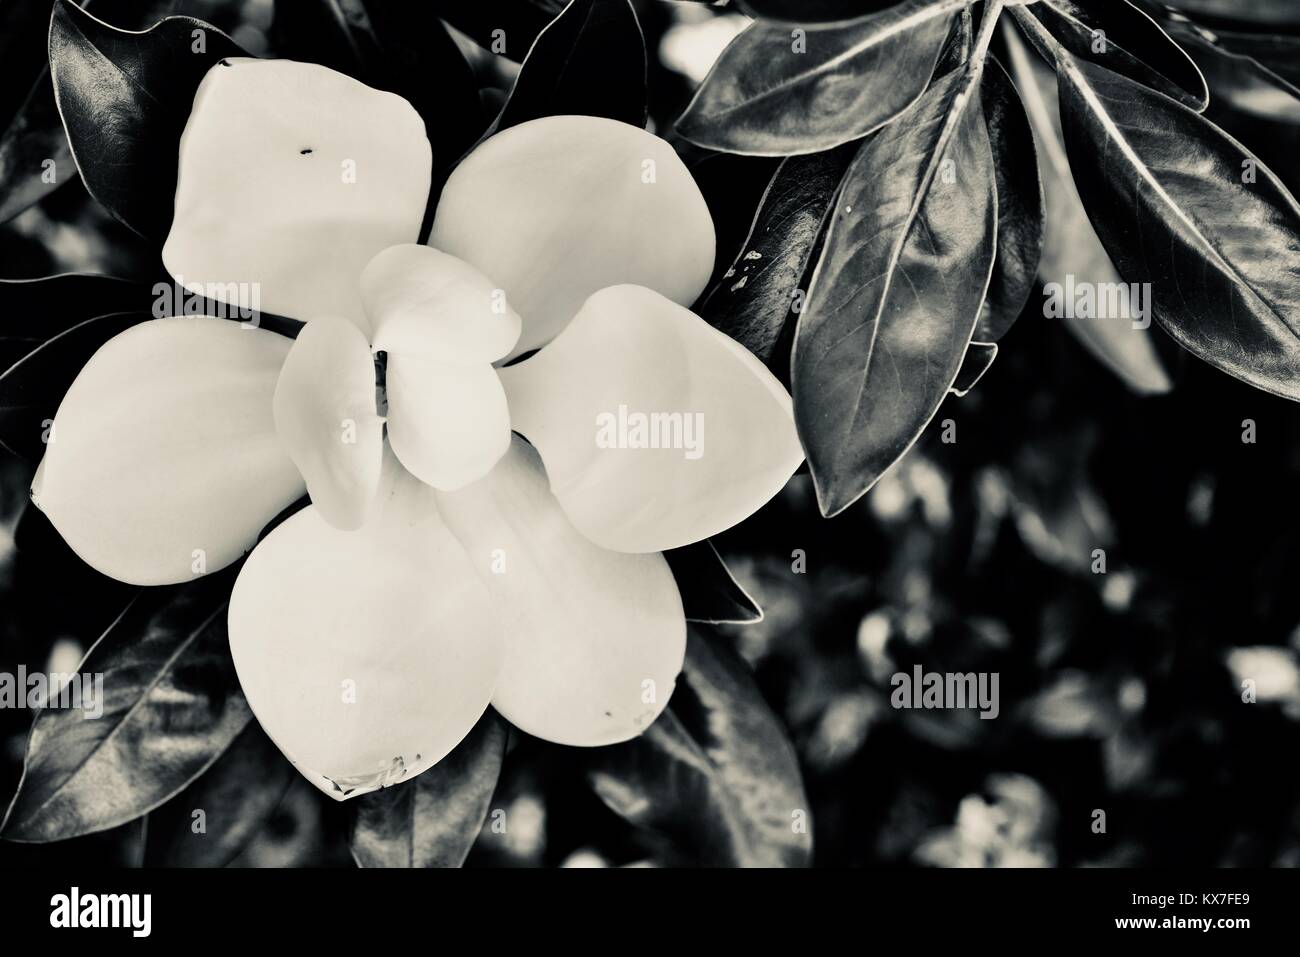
(938,225)
(177,735)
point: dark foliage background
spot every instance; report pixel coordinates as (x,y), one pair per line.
(1119,691)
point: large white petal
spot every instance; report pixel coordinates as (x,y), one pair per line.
(367,655)
(556,208)
(292,177)
(163,462)
(595,639)
(325,415)
(722,423)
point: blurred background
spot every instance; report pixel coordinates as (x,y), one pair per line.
(1120,691)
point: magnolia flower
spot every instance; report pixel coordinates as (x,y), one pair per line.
(483,528)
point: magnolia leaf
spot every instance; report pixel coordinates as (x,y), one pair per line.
(1121,37)
(799,12)
(433,819)
(214,819)
(1070,245)
(31,389)
(35,158)
(33,311)
(897,292)
(710,593)
(505,27)
(734,188)
(124,98)
(590,61)
(761,293)
(1271,12)
(171,706)
(715,779)
(1277,52)
(774,94)
(977,361)
(399,47)
(30,131)
(1020,204)
(1238,78)
(1187,210)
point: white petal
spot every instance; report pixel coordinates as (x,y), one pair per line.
(292,177)
(421,302)
(557,208)
(448,423)
(164,462)
(595,639)
(325,415)
(366,656)
(657,430)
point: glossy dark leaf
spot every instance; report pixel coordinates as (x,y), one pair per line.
(33,311)
(774,94)
(171,706)
(897,292)
(1020,204)
(1279,52)
(125,99)
(1070,245)
(977,361)
(399,47)
(714,779)
(1241,80)
(957,48)
(1123,38)
(433,819)
(31,389)
(506,27)
(31,130)
(1165,190)
(35,158)
(1273,12)
(709,592)
(798,12)
(591,61)
(734,188)
(236,796)
(761,293)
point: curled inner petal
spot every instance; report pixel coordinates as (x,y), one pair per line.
(325,416)
(424,303)
(448,423)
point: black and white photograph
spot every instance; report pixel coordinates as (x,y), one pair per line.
(853,440)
